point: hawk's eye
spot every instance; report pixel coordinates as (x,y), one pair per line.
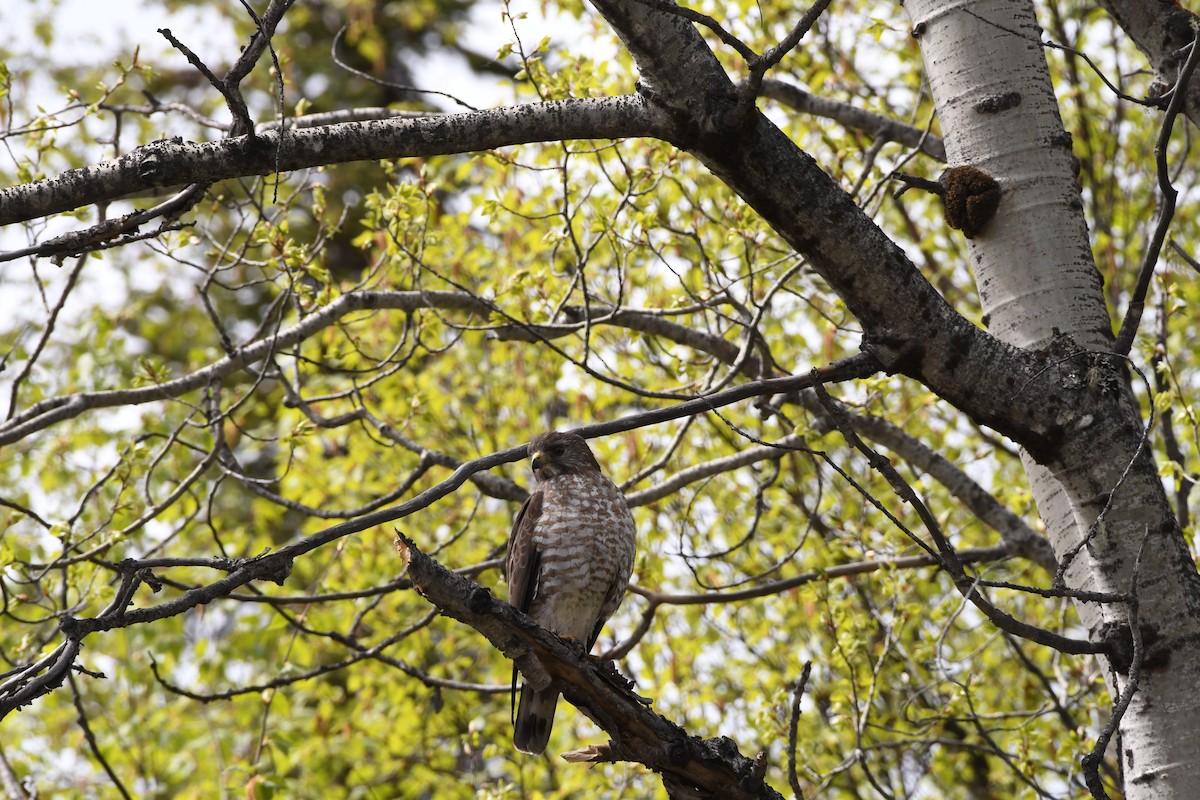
(555,450)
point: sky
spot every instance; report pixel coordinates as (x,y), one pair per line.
(95,32)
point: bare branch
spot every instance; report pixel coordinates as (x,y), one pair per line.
(114,232)
(55,410)
(751,87)
(1161,31)
(859,119)
(90,738)
(1020,539)
(637,320)
(13,786)
(174,162)
(966,555)
(276,566)
(1166,211)
(689,766)
(949,559)
(793,724)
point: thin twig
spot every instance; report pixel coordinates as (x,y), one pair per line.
(233,99)
(90,737)
(950,560)
(44,339)
(104,235)
(13,786)
(276,566)
(749,91)
(690,15)
(333,54)
(1092,761)
(1137,301)
(793,727)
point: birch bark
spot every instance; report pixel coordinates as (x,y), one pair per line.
(1100,496)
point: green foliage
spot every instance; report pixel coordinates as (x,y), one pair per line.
(343,682)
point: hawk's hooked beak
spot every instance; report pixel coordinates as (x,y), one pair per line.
(536,460)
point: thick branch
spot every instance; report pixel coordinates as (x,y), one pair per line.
(175,162)
(1162,31)
(690,767)
(907,324)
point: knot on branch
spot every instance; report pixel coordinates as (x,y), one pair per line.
(254,146)
(275,570)
(480,600)
(995,103)
(152,161)
(72,627)
(677,754)
(896,353)
(150,579)
(969,196)
(134,573)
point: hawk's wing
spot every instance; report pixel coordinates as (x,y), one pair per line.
(522,566)
(524,561)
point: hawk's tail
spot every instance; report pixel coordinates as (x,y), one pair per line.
(535,718)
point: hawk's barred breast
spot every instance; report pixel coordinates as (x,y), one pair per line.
(586,540)
(570,555)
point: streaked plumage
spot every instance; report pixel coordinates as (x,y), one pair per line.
(570,555)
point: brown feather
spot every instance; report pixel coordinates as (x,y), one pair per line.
(521,566)
(570,554)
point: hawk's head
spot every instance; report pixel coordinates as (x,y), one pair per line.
(558,453)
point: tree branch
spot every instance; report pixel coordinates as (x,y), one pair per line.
(634,320)
(1019,538)
(57,409)
(949,559)
(171,162)
(1166,210)
(907,324)
(1162,31)
(48,673)
(690,767)
(853,117)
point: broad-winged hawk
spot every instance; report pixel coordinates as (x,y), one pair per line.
(569,558)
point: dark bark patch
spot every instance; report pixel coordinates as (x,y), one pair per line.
(480,600)
(995,103)
(1044,448)
(1177,35)
(1119,638)
(960,346)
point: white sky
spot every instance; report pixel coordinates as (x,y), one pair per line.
(92,32)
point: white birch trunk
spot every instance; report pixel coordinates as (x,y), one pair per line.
(1035,274)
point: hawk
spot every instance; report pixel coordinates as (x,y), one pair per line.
(570,554)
